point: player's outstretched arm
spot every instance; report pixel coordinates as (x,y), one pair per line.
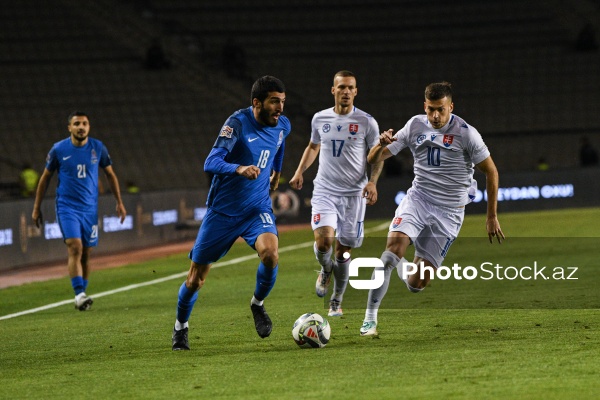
(492,225)
(308,157)
(380,152)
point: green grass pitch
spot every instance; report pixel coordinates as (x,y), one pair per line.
(499,339)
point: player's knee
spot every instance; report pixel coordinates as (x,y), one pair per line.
(196,276)
(342,254)
(324,244)
(75,247)
(269,257)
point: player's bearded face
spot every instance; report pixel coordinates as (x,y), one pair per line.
(270,109)
(438,111)
(79,127)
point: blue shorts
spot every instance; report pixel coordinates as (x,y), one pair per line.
(218,233)
(79,225)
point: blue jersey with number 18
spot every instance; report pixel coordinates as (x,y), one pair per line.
(247,142)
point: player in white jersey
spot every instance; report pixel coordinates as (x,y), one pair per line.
(445,150)
(342,137)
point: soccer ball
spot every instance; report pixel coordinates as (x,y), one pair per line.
(311,330)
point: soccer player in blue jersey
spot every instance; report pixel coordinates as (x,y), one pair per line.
(77,160)
(246,161)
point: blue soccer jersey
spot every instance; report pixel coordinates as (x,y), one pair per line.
(77,168)
(247,142)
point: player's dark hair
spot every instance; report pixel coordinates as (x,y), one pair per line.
(437,91)
(264,85)
(76,114)
(344,74)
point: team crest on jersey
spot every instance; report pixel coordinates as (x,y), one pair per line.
(226,131)
(280,140)
(326,128)
(317,219)
(396,222)
(421,139)
(353,128)
(94,157)
(448,139)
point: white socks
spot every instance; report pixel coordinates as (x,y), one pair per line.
(256,302)
(341,272)
(324,258)
(179,326)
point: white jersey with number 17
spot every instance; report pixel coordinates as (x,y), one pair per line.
(345,142)
(443,158)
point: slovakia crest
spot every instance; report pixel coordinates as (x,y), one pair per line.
(396,222)
(317,219)
(353,128)
(448,139)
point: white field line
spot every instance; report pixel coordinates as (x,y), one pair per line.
(174,276)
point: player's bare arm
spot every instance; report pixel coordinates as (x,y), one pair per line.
(40,192)
(248,171)
(274,180)
(386,137)
(380,152)
(492,225)
(113,182)
(370,189)
(308,157)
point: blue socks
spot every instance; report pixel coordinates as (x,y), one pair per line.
(265,280)
(185,303)
(78,284)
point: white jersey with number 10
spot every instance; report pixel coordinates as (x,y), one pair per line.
(443,158)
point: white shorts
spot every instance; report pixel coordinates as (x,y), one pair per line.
(345,214)
(431,228)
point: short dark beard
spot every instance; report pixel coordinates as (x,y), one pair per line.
(79,139)
(263,117)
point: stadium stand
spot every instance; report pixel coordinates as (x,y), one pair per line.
(516,75)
